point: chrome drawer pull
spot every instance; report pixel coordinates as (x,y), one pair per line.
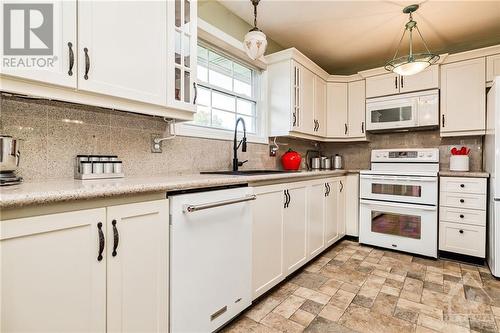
(194,208)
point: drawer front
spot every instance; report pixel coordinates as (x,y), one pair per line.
(463,200)
(462,238)
(463,185)
(461,215)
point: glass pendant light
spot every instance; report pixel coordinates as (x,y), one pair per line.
(255,41)
(413,63)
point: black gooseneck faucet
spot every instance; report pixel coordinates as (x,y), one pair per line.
(236,145)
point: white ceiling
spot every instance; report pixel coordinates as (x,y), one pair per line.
(344,37)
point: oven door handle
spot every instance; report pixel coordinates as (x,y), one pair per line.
(418,179)
(397,205)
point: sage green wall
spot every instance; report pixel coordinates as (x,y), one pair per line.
(219,16)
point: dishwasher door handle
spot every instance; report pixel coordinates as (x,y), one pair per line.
(194,208)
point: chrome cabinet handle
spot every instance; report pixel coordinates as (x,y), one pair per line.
(87,63)
(462,200)
(294,119)
(195,92)
(71,58)
(116,238)
(396,82)
(326,190)
(341,186)
(462,216)
(317,129)
(101,241)
(402,82)
(345,129)
(461,231)
(442,120)
(363,127)
(194,208)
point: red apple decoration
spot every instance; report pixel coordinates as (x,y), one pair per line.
(291,160)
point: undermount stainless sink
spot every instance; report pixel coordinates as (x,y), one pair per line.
(245,172)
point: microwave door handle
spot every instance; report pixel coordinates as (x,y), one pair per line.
(397,205)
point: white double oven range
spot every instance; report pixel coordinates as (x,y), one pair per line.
(399,200)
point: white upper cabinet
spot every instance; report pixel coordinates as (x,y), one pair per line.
(53,273)
(337,106)
(346,110)
(356,109)
(463,98)
(182,54)
(382,85)
(319,106)
(427,79)
(296,96)
(64,56)
(492,67)
(307,124)
(123,49)
(391,83)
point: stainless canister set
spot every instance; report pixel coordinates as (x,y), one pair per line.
(326,163)
(98,166)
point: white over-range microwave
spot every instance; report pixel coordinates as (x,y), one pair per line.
(405,111)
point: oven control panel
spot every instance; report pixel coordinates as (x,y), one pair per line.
(414,155)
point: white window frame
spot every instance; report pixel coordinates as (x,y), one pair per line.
(223,43)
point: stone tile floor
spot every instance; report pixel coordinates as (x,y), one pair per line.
(356,288)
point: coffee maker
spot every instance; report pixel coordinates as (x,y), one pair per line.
(9,160)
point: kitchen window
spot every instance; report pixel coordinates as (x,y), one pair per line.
(227,89)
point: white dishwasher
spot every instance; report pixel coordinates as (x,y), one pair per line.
(210,258)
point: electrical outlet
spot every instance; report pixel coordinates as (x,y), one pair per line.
(273,150)
(155,147)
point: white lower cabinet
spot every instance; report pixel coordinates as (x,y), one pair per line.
(292,223)
(316,218)
(58,272)
(352,204)
(267,239)
(335,210)
(137,254)
(294,228)
(51,279)
(462,215)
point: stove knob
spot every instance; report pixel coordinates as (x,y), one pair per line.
(429,154)
(377,155)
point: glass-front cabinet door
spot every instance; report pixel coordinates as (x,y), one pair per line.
(182,59)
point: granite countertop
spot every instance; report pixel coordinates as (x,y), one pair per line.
(472,174)
(36,193)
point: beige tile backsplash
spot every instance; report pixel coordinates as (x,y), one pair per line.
(53,133)
(357,155)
